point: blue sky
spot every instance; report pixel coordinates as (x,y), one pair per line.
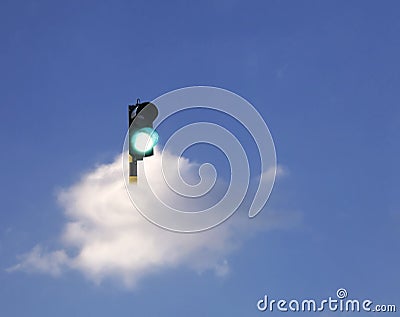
(325,77)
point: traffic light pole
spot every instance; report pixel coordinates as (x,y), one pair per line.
(132,169)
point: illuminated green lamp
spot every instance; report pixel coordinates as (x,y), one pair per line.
(144,140)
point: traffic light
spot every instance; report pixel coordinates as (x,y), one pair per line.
(142,136)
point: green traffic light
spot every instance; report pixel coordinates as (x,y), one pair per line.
(144,140)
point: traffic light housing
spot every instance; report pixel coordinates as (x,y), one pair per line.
(142,136)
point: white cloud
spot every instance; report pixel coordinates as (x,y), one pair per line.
(38,260)
(105,237)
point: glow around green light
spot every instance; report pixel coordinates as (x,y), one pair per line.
(144,140)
